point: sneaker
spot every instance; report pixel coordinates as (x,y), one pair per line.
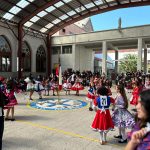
(118,136)
(122,141)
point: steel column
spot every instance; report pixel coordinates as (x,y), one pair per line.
(20,38)
(49,55)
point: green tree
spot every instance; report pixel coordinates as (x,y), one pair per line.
(128,63)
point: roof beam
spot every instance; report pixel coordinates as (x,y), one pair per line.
(43,7)
(95,4)
(83,5)
(43,17)
(72,8)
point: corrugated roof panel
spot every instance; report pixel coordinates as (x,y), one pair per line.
(42,13)
(28,24)
(50,9)
(58,13)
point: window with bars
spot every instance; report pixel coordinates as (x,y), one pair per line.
(67,49)
(40,59)
(26,57)
(5,55)
(56,50)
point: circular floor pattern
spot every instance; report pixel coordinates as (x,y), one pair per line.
(52,104)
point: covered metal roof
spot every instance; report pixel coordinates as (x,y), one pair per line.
(49,16)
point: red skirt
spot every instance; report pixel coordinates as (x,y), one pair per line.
(102,121)
(134,100)
(12,103)
(77,87)
(90,96)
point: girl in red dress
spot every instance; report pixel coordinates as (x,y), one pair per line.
(136,92)
(103,121)
(10,93)
(91,95)
(77,86)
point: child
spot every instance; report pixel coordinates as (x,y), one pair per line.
(67,86)
(47,86)
(102,121)
(77,86)
(136,92)
(10,93)
(121,117)
(30,86)
(38,86)
(91,95)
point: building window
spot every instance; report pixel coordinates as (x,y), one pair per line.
(56,50)
(148,61)
(148,51)
(26,57)
(5,55)
(41,60)
(67,49)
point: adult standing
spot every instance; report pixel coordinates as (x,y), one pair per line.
(2,99)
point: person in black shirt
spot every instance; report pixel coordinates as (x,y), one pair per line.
(3,99)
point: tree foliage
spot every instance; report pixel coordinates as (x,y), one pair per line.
(128,63)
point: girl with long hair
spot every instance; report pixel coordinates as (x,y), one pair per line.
(140,135)
(121,117)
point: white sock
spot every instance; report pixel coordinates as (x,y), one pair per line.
(90,104)
(104,136)
(123,133)
(101,136)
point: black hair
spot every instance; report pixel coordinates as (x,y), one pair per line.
(102,91)
(123,94)
(145,102)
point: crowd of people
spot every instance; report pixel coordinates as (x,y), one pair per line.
(99,96)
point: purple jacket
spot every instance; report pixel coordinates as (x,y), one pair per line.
(145,143)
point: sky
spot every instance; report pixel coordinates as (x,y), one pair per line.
(133,16)
(130,17)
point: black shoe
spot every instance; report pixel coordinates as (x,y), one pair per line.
(13,119)
(118,136)
(90,109)
(134,110)
(54,95)
(122,141)
(7,119)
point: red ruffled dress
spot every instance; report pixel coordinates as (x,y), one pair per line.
(12,99)
(135,96)
(77,86)
(91,94)
(67,86)
(103,120)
